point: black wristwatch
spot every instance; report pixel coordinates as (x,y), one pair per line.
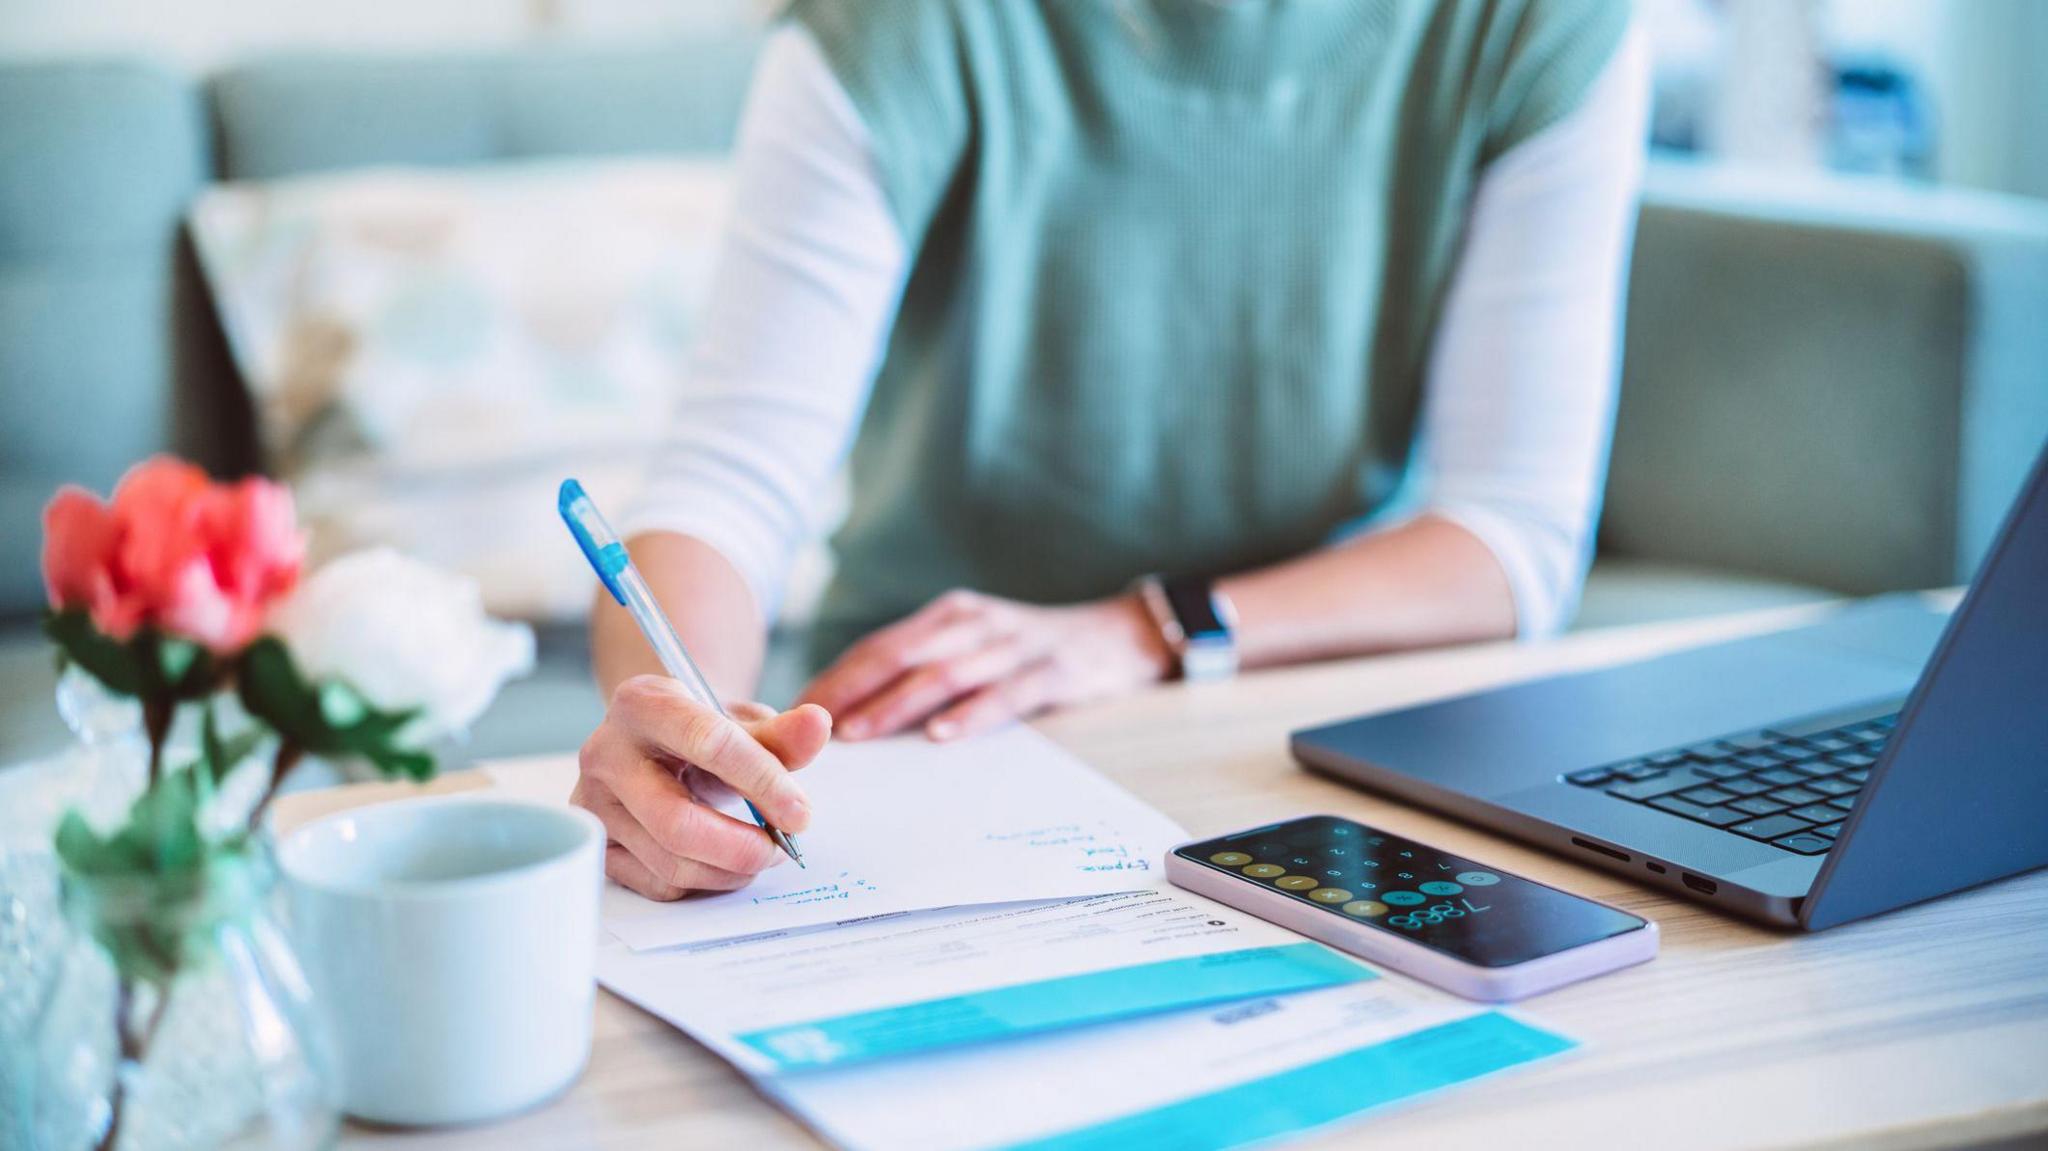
(1197,622)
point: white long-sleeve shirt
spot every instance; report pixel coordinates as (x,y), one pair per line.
(1519,394)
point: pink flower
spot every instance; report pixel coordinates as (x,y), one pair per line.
(174,551)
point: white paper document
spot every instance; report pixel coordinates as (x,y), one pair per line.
(921,981)
(1195,1081)
(909,825)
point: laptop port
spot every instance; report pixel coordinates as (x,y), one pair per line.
(1601,848)
(1657,868)
(1703,886)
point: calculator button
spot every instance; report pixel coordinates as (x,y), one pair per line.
(1294,882)
(1330,895)
(1476,879)
(1265,870)
(1365,908)
(1404,898)
(1440,887)
(1230,858)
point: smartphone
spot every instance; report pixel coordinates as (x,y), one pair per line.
(1467,927)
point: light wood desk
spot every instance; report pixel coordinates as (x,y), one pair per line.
(1925,1028)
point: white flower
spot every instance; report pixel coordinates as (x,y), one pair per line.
(405,635)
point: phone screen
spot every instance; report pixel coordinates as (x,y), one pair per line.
(1445,902)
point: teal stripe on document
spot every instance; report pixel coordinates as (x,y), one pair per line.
(1099,996)
(1308,1097)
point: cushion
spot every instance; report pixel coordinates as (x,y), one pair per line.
(430,353)
(1622,592)
(98,162)
(294,115)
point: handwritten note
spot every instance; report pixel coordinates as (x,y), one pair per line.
(909,825)
(846,886)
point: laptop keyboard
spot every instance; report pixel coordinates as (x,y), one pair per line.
(1789,786)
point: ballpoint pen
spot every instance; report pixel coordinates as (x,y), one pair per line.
(601,546)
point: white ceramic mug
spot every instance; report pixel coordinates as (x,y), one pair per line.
(451,943)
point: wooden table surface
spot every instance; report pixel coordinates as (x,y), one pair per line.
(1924,1028)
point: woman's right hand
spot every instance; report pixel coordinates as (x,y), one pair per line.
(654,767)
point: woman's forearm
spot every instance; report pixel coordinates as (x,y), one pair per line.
(1425,583)
(705,598)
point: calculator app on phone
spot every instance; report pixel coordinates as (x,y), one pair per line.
(1453,905)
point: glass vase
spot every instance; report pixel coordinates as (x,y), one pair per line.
(179,1018)
(99,775)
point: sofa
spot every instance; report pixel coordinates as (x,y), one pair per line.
(1831,386)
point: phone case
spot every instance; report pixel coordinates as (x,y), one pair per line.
(1485,984)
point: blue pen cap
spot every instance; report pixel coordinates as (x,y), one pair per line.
(600,544)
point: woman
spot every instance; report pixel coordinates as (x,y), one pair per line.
(1311,305)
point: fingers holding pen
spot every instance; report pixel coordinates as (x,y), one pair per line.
(658,716)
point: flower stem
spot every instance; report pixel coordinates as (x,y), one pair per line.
(288,756)
(134,1041)
(156,723)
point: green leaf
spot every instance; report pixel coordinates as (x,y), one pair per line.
(176,658)
(115,664)
(219,757)
(209,733)
(168,815)
(340,706)
(184,670)
(84,851)
(273,691)
(331,719)
(415,765)
(161,857)
(147,666)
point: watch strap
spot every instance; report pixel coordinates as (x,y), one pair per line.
(1197,623)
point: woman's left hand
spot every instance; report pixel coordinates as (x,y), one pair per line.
(967,662)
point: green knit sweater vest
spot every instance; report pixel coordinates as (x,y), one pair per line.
(1175,268)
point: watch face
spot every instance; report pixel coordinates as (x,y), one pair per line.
(1195,608)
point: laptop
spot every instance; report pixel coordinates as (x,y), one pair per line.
(1883,756)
